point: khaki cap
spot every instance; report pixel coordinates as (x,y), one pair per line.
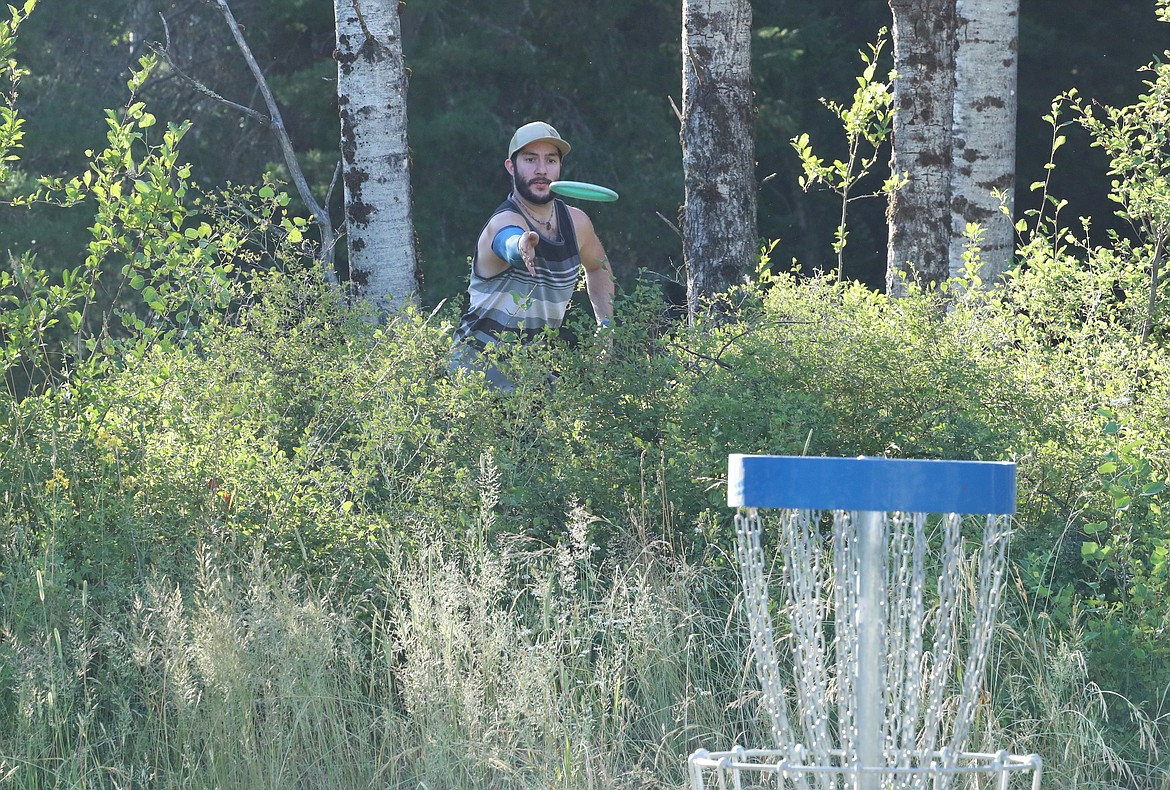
(537,131)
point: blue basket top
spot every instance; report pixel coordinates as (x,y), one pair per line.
(877,484)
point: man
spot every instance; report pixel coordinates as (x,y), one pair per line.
(529,255)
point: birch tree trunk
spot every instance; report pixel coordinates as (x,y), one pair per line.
(371,96)
(719,215)
(920,212)
(986,50)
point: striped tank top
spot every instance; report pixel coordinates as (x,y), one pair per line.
(514,301)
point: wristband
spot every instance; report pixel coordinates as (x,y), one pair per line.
(506,245)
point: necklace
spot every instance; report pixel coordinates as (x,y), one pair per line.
(547,224)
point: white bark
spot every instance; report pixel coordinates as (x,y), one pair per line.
(986,58)
(719,217)
(371,95)
(919,212)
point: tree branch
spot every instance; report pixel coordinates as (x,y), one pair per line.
(320,215)
(164,51)
(673,227)
(1152,304)
(278,127)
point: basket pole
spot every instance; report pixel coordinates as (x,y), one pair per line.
(870,650)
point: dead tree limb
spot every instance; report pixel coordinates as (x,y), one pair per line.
(274,121)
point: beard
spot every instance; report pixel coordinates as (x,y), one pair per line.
(525,191)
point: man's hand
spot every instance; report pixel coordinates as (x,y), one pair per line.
(605,336)
(528,244)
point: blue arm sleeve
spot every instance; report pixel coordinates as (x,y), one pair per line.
(506,245)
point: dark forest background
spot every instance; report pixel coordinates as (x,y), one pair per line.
(604,72)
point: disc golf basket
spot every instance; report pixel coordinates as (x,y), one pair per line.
(886,668)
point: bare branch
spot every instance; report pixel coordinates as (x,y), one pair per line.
(357,9)
(668,222)
(165,53)
(332,184)
(320,216)
(273,108)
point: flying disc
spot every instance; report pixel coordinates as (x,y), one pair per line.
(583,191)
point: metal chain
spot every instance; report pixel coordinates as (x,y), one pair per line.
(920,642)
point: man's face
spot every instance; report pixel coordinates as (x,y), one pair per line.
(534,167)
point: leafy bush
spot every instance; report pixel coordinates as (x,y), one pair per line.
(511,546)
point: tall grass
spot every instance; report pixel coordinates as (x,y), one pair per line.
(1043,699)
(499,667)
(484,668)
(242,681)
